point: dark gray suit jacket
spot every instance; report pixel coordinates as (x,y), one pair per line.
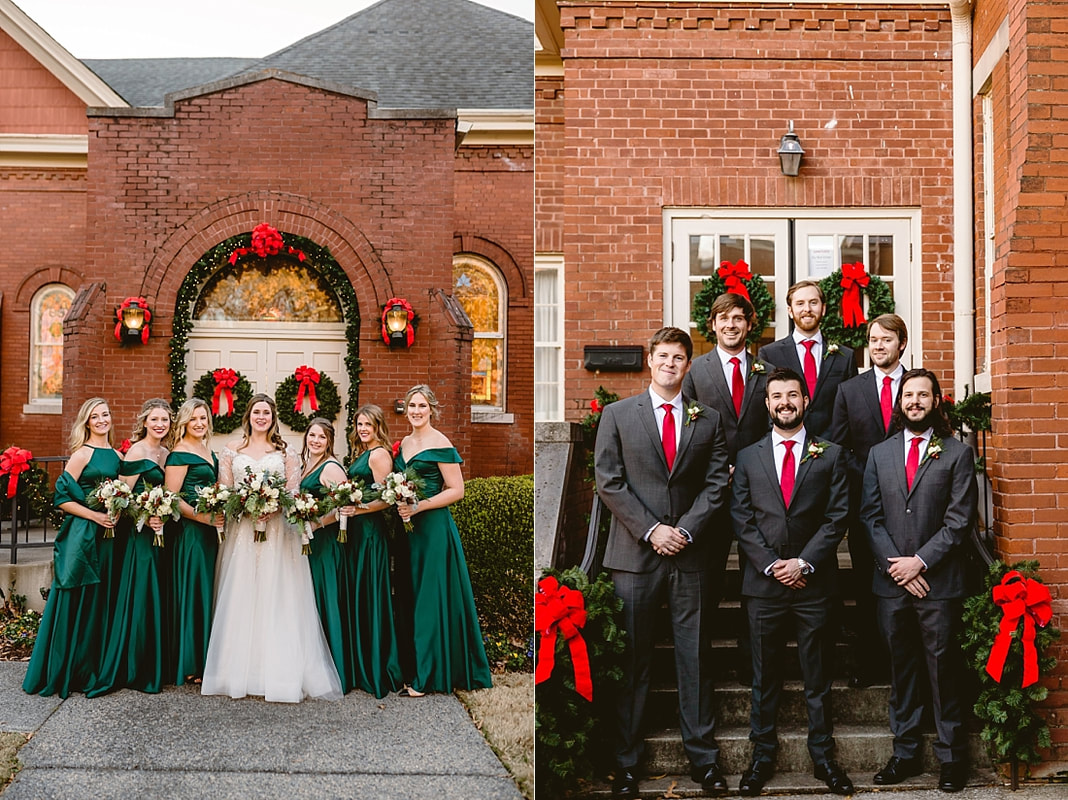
(932,520)
(635,485)
(811,528)
(835,368)
(706,382)
(857,422)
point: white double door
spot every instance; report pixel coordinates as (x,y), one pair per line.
(267,354)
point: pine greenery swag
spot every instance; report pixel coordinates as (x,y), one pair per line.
(326,395)
(204,388)
(880,301)
(572,736)
(1012,728)
(759,296)
(318,258)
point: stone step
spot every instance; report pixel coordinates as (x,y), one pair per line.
(860,748)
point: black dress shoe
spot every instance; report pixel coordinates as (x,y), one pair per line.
(834,776)
(897,770)
(711,779)
(953,776)
(754,778)
(625,783)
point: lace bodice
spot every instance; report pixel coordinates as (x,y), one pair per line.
(234,464)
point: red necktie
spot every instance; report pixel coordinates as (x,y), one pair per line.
(912,463)
(886,402)
(669,436)
(737,387)
(810,367)
(787,479)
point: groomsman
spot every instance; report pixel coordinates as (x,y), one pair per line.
(919,505)
(790,505)
(863,412)
(661,466)
(824,365)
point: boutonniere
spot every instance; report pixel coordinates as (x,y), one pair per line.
(830,350)
(692,413)
(815,450)
(758,368)
(934,449)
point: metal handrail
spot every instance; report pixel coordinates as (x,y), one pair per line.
(589,558)
(20,516)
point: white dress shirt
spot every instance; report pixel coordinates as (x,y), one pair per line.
(728,367)
(817,351)
(895,380)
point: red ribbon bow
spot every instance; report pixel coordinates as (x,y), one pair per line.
(733,276)
(561,608)
(308,377)
(13,462)
(854,276)
(1019,597)
(225,381)
(398,301)
(266,241)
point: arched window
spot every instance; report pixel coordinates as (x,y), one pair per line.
(482,292)
(275,289)
(47,309)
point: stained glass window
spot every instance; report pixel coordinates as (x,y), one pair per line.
(272,289)
(480,290)
(47,310)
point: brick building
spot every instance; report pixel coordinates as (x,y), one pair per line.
(934,151)
(378,145)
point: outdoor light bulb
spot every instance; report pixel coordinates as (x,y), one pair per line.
(133,317)
(396,319)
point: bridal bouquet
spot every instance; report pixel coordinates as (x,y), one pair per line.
(302,512)
(156,501)
(256,495)
(114,496)
(347,493)
(212,499)
(402,487)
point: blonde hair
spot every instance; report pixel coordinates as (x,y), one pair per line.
(427,392)
(140,429)
(328,429)
(185,415)
(274,435)
(378,423)
(79,431)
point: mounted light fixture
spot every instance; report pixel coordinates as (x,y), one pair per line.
(398,323)
(790,152)
(133,316)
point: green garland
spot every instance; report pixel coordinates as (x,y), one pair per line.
(326,394)
(602,397)
(319,258)
(204,388)
(880,301)
(759,296)
(972,412)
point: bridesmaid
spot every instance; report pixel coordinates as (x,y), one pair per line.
(192,464)
(449,652)
(67,654)
(137,645)
(329,566)
(374,635)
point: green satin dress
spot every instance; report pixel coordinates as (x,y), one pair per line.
(67,654)
(195,547)
(374,636)
(136,652)
(331,583)
(449,651)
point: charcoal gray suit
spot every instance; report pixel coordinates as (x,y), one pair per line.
(636,486)
(834,368)
(931,520)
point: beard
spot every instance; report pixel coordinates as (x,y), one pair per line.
(782,419)
(922,424)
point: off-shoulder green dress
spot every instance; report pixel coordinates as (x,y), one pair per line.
(193,572)
(374,636)
(137,648)
(449,652)
(67,654)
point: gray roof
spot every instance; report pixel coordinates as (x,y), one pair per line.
(412,53)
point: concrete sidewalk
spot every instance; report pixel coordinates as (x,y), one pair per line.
(178,744)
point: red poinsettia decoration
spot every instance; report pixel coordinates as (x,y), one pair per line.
(266,241)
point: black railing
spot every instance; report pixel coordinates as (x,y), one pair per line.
(34,530)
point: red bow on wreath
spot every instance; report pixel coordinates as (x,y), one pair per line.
(140,302)
(854,276)
(398,301)
(561,608)
(225,380)
(1019,597)
(733,276)
(308,377)
(266,241)
(13,462)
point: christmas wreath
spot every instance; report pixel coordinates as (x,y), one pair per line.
(737,279)
(307,387)
(844,292)
(227,392)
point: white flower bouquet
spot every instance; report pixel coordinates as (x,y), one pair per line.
(347,493)
(302,512)
(156,501)
(402,487)
(212,499)
(114,496)
(257,495)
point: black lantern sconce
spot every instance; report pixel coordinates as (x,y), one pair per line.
(132,316)
(790,152)
(398,323)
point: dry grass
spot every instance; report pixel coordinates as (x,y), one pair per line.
(9,762)
(505,715)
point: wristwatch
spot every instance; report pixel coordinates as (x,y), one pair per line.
(806,568)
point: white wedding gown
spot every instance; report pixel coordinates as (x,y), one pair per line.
(266,638)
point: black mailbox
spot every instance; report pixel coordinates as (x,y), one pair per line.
(613,358)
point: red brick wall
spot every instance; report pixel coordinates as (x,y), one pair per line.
(32,99)
(494,220)
(549,150)
(987,17)
(683,105)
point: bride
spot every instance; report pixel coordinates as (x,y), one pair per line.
(266,638)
